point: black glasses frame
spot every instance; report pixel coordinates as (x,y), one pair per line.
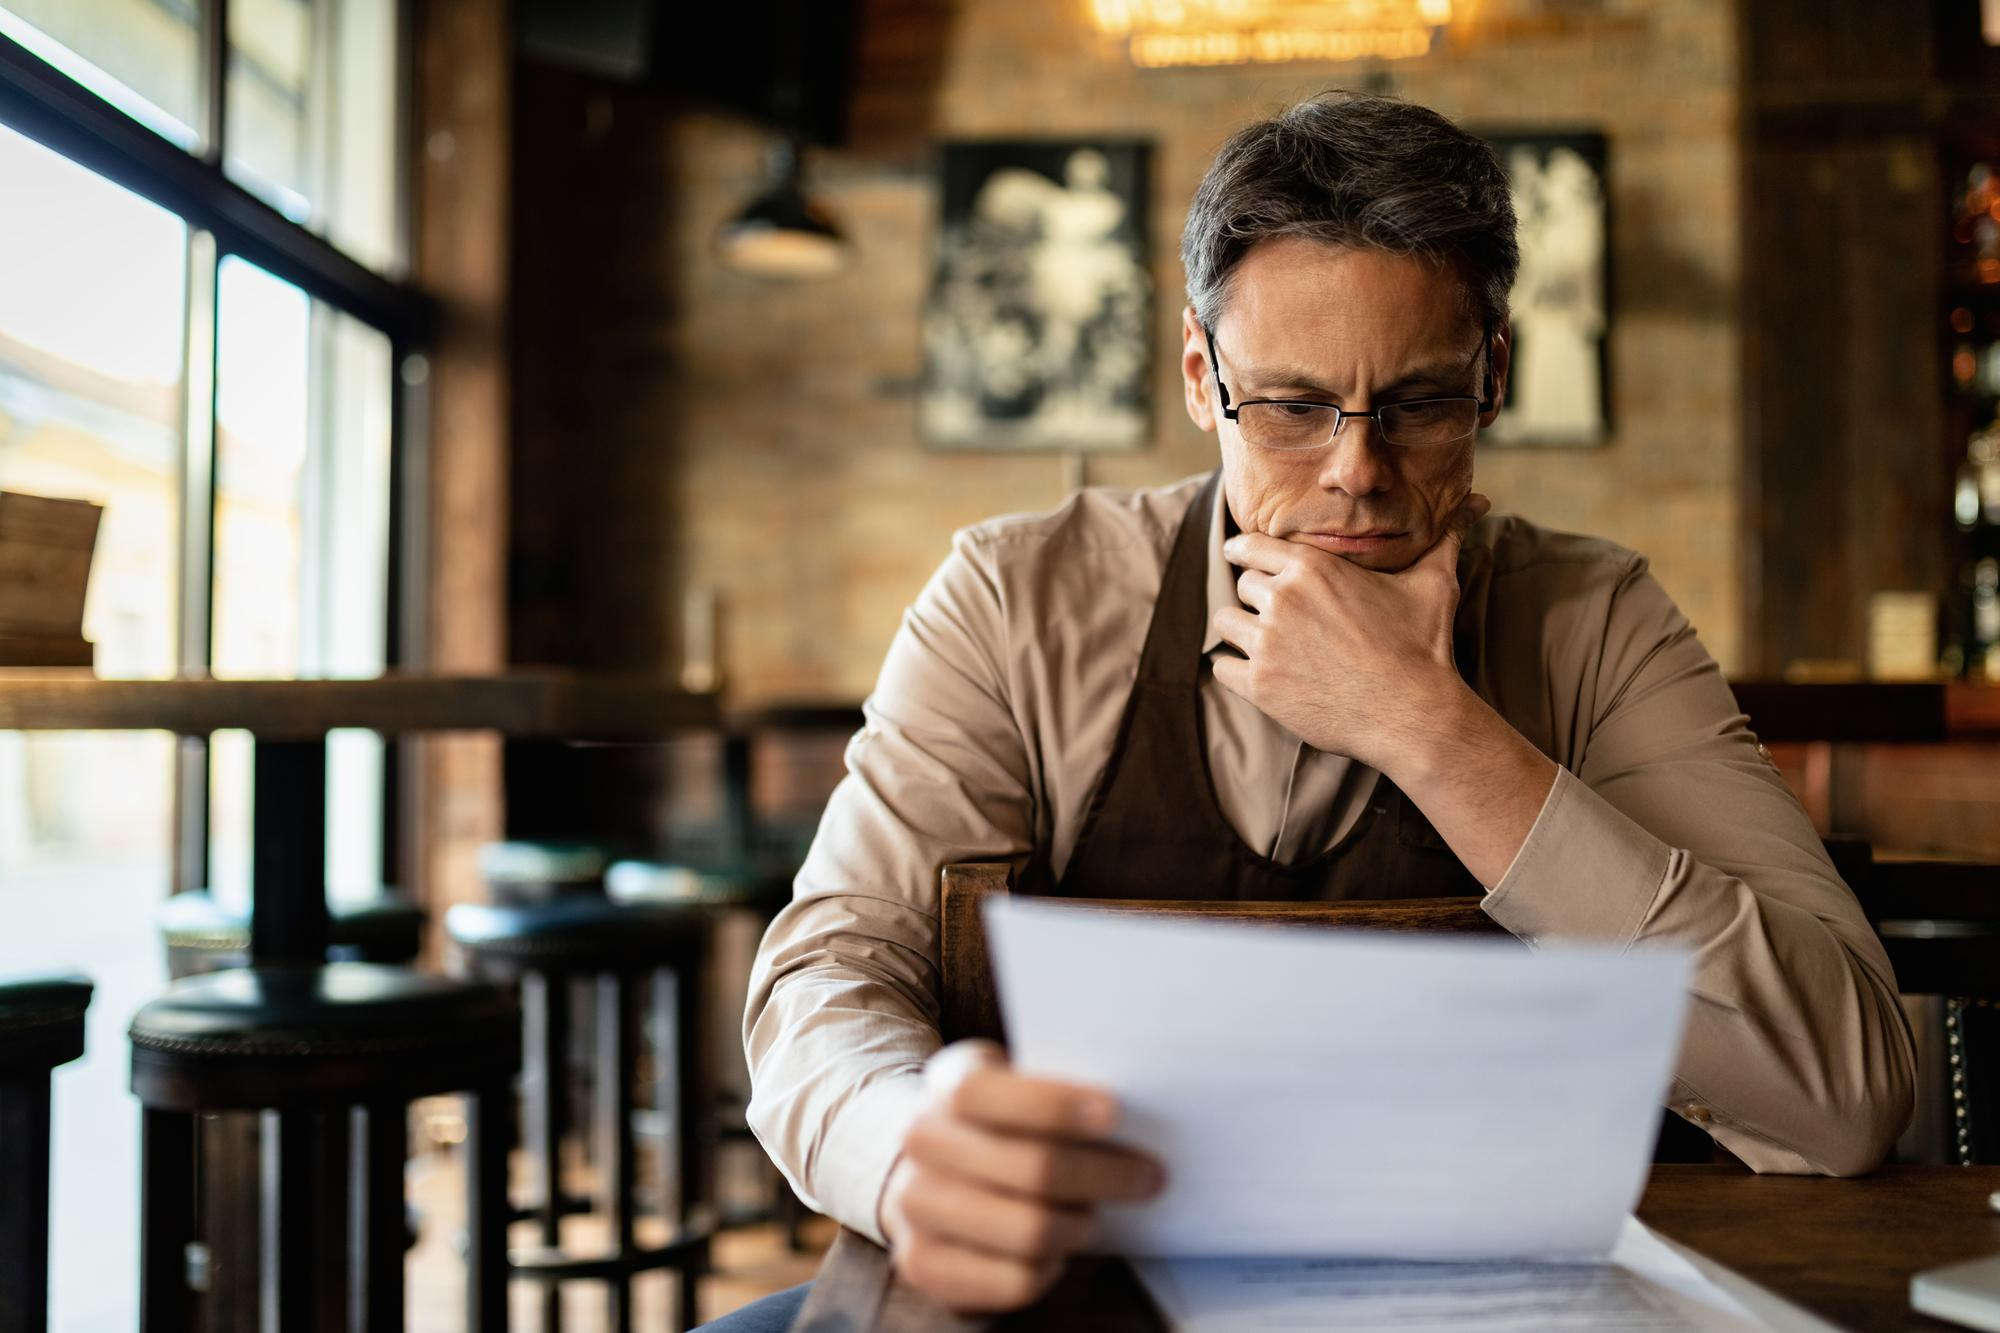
(1341,414)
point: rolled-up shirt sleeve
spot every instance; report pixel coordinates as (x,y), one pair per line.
(843,1005)
(1671,825)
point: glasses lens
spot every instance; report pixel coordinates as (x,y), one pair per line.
(1431,421)
(1286,425)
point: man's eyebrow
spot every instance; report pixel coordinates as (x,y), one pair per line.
(1438,374)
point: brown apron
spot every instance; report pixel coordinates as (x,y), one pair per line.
(1154,829)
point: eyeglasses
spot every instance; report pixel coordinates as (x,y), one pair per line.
(1284,423)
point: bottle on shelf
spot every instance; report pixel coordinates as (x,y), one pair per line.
(1975,631)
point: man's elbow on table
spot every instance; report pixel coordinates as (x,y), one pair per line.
(1834,1136)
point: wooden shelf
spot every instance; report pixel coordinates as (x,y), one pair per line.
(520,704)
(1919,712)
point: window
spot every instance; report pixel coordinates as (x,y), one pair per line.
(196,332)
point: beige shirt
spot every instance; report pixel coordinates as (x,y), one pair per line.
(995,713)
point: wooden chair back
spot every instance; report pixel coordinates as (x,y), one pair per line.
(970,1006)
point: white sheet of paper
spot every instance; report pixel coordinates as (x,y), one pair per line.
(1316,1093)
(1643,1286)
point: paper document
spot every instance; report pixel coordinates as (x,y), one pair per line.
(1643,1286)
(1316,1094)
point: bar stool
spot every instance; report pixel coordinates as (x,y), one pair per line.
(536,872)
(759,891)
(546,948)
(41,1026)
(332,1055)
(202,935)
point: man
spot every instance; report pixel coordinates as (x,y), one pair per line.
(1325,671)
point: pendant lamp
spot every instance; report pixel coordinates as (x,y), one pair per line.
(781,233)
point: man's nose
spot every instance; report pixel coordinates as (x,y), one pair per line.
(1357,461)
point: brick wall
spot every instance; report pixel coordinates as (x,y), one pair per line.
(762,438)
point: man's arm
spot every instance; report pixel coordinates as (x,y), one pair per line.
(1673,827)
(981,1185)
(843,995)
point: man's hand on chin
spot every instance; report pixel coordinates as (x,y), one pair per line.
(1349,660)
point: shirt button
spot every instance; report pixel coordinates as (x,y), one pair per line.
(1697,1113)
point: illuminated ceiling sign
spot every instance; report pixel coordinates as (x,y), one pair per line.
(1163,33)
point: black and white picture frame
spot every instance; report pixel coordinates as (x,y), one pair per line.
(1037,329)
(1558,390)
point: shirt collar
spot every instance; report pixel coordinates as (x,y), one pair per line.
(1221,574)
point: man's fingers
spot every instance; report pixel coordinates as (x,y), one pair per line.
(1254,588)
(1233,674)
(970,1280)
(1235,625)
(1476,507)
(1259,551)
(1051,1169)
(961,1211)
(1001,1099)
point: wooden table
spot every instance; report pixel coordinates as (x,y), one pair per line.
(289,720)
(1843,1249)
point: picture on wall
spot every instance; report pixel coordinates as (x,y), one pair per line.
(1557,390)
(1037,329)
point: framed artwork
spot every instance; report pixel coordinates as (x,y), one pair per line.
(1558,391)
(1037,329)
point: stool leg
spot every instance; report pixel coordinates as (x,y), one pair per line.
(228,1218)
(24,1204)
(378,1238)
(545,1006)
(669,1081)
(611,1100)
(337,1259)
(486,1208)
(291,1243)
(694,1102)
(166,1219)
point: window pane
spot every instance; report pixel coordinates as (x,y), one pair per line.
(91,318)
(301,546)
(142,56)
(312,116)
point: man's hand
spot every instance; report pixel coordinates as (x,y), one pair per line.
(998,1181)
(1350,661)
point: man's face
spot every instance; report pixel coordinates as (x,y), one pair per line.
(1355,328)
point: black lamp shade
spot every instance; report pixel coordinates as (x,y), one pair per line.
(781,235)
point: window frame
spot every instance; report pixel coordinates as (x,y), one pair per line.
(225,219)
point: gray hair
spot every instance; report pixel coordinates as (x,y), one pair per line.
(1354,170)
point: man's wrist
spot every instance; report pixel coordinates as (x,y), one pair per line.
(1444,724)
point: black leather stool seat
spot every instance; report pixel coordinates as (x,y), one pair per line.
(533,872)
(302,1210)
(579,934)
(41,1021)
(759,889)
(269,1037)
(201,934)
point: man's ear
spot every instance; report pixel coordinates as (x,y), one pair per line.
(1499,360)
(1195,372)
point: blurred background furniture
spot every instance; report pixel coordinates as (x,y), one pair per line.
(41,1027)
(331,1055)
(649,957)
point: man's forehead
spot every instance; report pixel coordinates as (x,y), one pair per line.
(1293,304)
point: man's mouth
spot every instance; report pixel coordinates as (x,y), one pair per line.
(1356,542)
